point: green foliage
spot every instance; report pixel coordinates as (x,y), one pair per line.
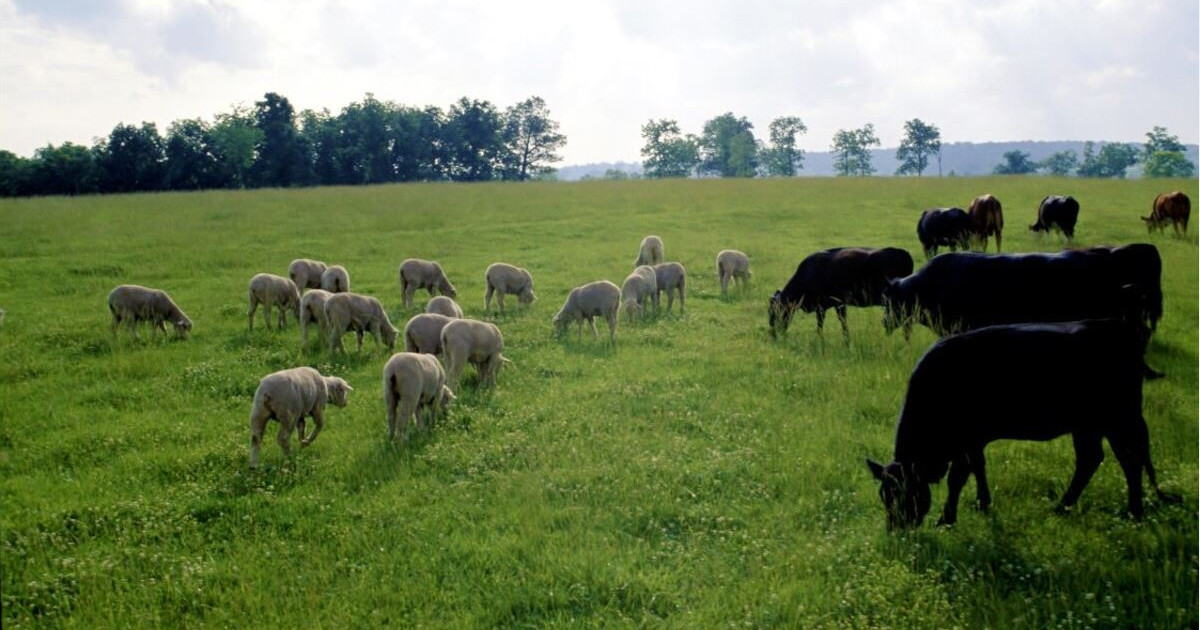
(1112,160)
(852,151)
(1015,163)
(783,158)
(1164,156)
(193,161)
(68,169)
(667,153)
(235,137)
(697,475)
(531,138)
(472,141)
(14,174)
(728,147)
(131,159)
(279,154)
(1060,163)
(919,143)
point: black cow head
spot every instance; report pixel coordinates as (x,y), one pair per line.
(905,498)
(779,313)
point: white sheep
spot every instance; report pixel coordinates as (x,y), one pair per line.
(131,303)
(423,274)
(651,252)
(312,309)
(671,277)
(586,302)
(475,342)
(639,287)
(359,313)
(413,385)
(335,279)
(732,265)
(306,273)
(288,396)
(423,333)
(272,290)
(503,279)
(443,305)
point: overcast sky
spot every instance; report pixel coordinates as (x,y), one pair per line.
(980,70)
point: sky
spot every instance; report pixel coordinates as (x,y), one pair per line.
(980,70)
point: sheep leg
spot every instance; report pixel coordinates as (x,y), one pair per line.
(682,300)
(487,299)
(282,316)
(115,323)
(407,409)
(500,301)
(359,334)
(335,340)
(612,327)
(318,416)
(454,366)
(592,322)
(724,285)
(670,299)
(267,315)
(304,331)
(258,424)
(841,315)
(580,328)
(284,437)
(378,335)
(250,312)
(409,291)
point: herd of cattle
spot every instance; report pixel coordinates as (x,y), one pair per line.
(1034,345)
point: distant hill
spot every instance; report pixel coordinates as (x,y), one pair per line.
(961,158)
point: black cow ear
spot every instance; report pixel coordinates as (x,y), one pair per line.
(876,469)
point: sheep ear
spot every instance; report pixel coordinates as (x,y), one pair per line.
(876,469)
(347,387)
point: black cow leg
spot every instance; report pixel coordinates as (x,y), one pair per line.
(983,496)
(1089,452)
(820,322)
(841,314)
(960,469)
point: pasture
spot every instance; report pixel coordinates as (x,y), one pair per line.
(698,475)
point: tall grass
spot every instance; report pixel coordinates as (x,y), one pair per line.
(697,475)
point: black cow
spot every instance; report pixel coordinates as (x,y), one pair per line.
(944,226)
(1018,382)
(962,291)
(1057,212)
(837,278)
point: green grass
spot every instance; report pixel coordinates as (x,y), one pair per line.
(700,475)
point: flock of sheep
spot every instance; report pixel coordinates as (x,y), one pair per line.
(416,385)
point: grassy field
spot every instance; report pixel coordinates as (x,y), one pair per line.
(698,475)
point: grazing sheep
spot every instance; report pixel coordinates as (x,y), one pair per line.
(335,279)
(586,302)
(651,252)
(423,274)
(306,273)
(132,304)
(312,309)
(416,385)
(423,333)
(443,305)
(671,277)
(360,313)
(475,342)
(272,290)
(639,287)
(732,265)
(503,279)
(288,396)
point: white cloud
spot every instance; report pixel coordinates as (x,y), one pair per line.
(985,70)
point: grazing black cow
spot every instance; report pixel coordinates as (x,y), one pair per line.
(1018,382)
(1057,212)
(962,291)
(944,226)
(1174,208)
(837,278)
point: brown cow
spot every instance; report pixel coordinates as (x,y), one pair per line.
(986,220)
(1174,207)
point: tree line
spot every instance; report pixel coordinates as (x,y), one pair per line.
(727,147)
(270,145)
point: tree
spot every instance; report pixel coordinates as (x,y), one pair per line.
(132,159)
(192,161)
(280,159)
(1111,161)
(1060,163)
(1015,163)
(1164,156)
(417,153)
(782,158)
(14,174)
(666,152)
(365,142)
(472,141)
(235,137)
(68,169)
(920,141)
(728,148)
(531,139)
(852,151)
